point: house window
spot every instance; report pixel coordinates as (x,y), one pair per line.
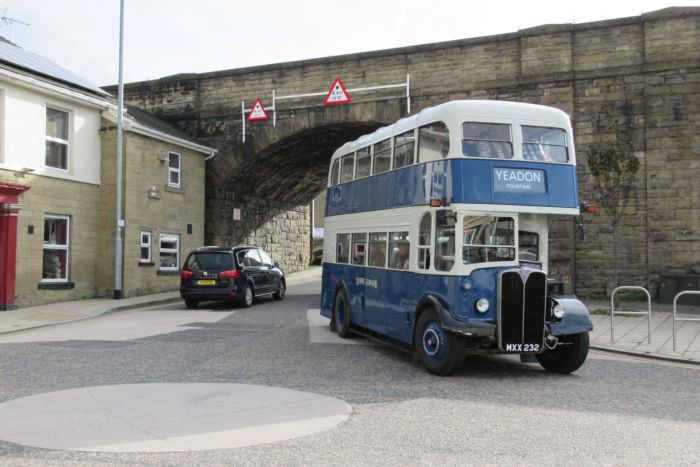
(174,169)
(169,251)
(57,138)
(145,247)
(56,253)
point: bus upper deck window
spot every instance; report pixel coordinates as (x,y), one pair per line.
(335,171)
(487,140)
(347,168)
(544,144)
(363,163)
(433,142)
(382,156)
(403,149)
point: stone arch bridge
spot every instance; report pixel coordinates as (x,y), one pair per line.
(643,70)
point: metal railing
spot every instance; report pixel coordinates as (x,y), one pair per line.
(612,310)
(675,318)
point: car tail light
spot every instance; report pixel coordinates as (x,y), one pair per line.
(232,274)
(185,274)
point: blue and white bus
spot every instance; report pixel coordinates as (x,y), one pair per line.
(436,235)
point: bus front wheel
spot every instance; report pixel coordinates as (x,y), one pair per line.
(567,356)
(440,352)
(341,314)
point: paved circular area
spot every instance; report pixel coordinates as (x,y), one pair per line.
(167,417)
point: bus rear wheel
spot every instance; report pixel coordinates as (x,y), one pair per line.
(568,356)
(440,352)
(341,314)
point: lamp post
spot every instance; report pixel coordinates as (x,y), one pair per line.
(120,142)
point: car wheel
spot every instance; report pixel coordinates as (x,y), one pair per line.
(191,303)
(440,352)
(567,356)
(341,314)
(246,296)
(281,290)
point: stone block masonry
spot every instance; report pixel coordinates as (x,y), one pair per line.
(644,69)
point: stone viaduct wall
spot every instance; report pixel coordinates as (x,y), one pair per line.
(644,71)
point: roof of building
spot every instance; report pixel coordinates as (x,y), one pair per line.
(151,121)
(17,57)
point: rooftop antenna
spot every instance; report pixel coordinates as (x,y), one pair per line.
(9,21)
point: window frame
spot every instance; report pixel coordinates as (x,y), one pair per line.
(162,250)
(177,170)
(148,246)
(56,140)
(424,249)
(57,247)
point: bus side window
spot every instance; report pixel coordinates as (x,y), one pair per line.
(334,172)
(377,249)
(444,239)
(382,157)
(433,142)
(399,248)
(359,247)
(343,248)
(347,168)
(424,241)
(403,149)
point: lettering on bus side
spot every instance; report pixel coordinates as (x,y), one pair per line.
(366,282)
(519,181)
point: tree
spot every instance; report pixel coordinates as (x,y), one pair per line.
(613,167)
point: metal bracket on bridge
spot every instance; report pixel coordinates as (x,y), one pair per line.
(276,98)
(612,310)
(675,318)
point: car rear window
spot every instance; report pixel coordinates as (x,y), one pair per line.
(209,262)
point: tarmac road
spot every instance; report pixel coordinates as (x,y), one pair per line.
(613,411)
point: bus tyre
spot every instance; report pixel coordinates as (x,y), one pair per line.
(281,290)
(440,352)
(567,356)
(246,296)
(341,314)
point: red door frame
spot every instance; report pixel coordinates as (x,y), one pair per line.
(9,212)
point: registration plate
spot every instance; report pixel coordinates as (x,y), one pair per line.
(522,348)
(206,282)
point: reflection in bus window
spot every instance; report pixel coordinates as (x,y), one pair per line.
(362,166)
(424,241)
(343,248)
(403,149)
(359,248)
(399,247)
(487,140)
(382,156)
(335,171)
(544,144)
(433,142)
(528,246)
(444,240)
(486,239)
(377,249)
(347,168)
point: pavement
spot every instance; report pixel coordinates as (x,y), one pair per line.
(631,332)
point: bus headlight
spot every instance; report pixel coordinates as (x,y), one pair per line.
(558,311)
(482,305)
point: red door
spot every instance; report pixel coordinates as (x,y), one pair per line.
(9,212)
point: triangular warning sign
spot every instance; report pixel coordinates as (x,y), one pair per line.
(257,112)
(337,94)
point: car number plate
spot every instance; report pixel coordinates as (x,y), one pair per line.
(522,348)
(206,282)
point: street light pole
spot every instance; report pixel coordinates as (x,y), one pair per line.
(120,143)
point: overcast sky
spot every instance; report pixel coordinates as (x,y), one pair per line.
(166,37)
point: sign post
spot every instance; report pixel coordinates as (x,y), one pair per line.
(235,217)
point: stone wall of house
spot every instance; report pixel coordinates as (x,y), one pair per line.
(643,70)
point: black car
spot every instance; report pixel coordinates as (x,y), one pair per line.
(240,273)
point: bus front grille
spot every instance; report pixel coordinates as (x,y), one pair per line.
(521,311)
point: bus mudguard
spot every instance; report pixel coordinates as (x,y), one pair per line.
(452,323)
(575,320)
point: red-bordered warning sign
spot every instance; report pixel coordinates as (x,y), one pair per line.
(337,94)
(257,112)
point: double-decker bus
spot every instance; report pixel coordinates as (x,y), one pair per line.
(436,235)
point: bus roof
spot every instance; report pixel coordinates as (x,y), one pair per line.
(462,110)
